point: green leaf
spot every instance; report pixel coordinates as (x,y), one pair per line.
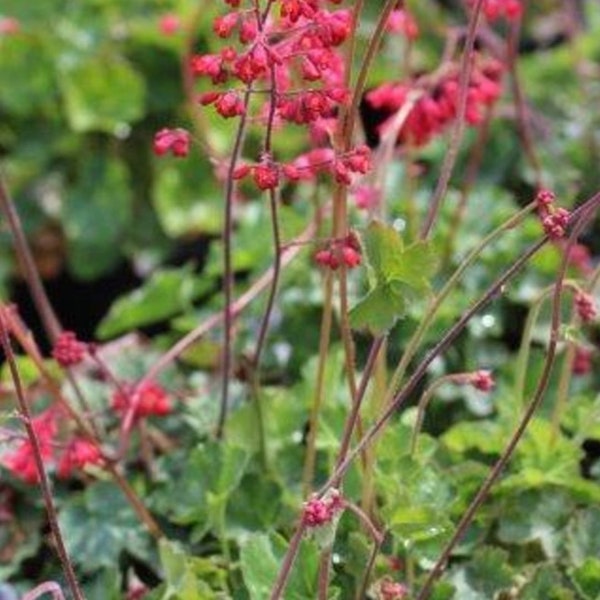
(586,578)
(102,94)
(583,536)
(546,583)
(95,215)
(390,260)
(378,310)
(384,249)
(187,199)
(539,515)
(261,558)
(21,94)
(99,525)
(399,275)
(202,488)
(484,576)
(167,293)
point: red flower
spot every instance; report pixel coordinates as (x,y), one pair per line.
(482,380)
(21,462)
(319,511)
(9,26)
(266,175)
(148,399)
(169,24)
(68,350)
(585,306)
(176,141)
(79,453)
(582,361)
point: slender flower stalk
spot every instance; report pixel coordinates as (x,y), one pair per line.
(43,479)
(459,124)
(580,221)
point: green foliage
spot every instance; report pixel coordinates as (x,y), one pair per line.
(399,275)
(261,557)
(165,294)
(102,509)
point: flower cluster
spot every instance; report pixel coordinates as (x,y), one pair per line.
(9,26)
(147,399)
(75,456)
(554,219)
(386,589)
(285,64)
(402,22)
(511,10)
(481,380)
(68,350)
(319,511)
(346,251)
(585,306)
(78,453)
(438,104)
(582,361)
(175,141)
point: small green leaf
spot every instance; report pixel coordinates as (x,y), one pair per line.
(384,249)
(546,583)
(166,293)
(484,576)
(102,94)
(99,525)
(399,275)
(586,578)
(378,310)
(261,558)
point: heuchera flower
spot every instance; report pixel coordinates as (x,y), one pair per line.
(582,361)
(585,305)
(401,21)
(280,52)
(439,102)
(79,453)
(9,26)
(554,219)
(169,24)
(148,399)
(68,350)
(340,252)
(319,511)
(482,380)
(392,590)
(176,141)
(511,10)
(21,461)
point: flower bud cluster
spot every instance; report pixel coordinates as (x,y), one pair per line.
(68,351)
(346,252)
(493,10)
(554,219)
(585,305)
(320,511)
(438,105)
(283,65)
(78,452)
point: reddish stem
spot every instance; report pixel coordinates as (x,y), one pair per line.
(44,482)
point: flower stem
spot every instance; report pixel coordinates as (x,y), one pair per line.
(530,411)
(44,481)
(459,124)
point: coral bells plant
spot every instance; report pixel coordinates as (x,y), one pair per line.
(68,351)
(386,345)
(437,106)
